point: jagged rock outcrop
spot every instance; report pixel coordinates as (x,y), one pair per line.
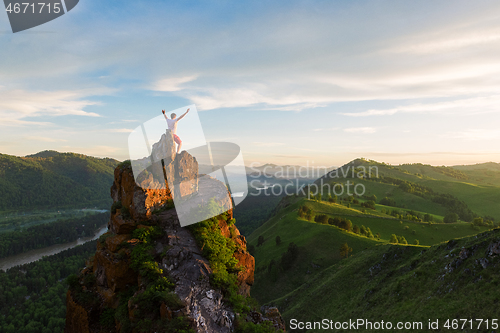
(109,283)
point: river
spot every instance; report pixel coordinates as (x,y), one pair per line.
(34,255)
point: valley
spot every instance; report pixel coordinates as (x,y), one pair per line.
(359,256)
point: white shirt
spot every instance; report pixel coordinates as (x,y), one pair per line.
(172,125)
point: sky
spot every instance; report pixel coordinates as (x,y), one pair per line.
(315,83)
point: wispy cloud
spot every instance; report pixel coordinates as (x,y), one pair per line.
(44,139)
(19,107)
(121,130)
(268,144)
(467,105)
(442,41)
(365,130)
(474,135)
(172,83)
(325,129)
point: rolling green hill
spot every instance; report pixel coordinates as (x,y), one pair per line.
(452,281)
(423,187)
(50,179)
(318,244)
(318,248)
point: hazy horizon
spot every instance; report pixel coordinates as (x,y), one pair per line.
(259,164)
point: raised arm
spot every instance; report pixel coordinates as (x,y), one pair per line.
(185,113)
(164,115)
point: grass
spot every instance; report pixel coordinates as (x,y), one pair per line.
(479,189)
(319,256)
(387,225)
(380,281)
(408,285)
(318,248)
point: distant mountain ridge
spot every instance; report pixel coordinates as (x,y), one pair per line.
(290,171)
(53,179)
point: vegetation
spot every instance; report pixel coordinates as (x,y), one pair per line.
(33,296)
(404,283)
(315,240)
(44,235)
(158,288)
(345,250)
(51,179)
(219,252)
(254,210)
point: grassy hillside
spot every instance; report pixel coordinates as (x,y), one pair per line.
(318,248)
(51,179)
(319,268)
(478,187)
(379,223)
(454,280)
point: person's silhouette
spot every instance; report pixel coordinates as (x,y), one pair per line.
(172,126)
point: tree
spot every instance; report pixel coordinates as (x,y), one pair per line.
(289,256)
(355,229)
(270,266)
(346,224)
(368,204)
(402,240)
(428,217)
(478,221)
(322,218)
(450,218)
(278,240)
(345,250)
(416,242)
(335,221)
(363,230)
(260,241)
(388,202)
(394,239)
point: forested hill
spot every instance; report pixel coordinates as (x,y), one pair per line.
(50,180)
(468,191)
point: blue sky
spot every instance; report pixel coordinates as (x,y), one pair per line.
(291,82)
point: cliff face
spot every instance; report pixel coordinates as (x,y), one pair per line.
(121,291)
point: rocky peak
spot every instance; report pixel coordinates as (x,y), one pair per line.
(148,270)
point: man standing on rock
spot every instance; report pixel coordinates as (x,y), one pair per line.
(172,126)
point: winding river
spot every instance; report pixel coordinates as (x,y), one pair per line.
(34,255)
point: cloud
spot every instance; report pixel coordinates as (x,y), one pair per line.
(366,130)
(444,41)
(44,139)
(18,107)
(325,129)
(474,135)
(121,130)
(172,83)
(289,58)
(268,144)
(466,105)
